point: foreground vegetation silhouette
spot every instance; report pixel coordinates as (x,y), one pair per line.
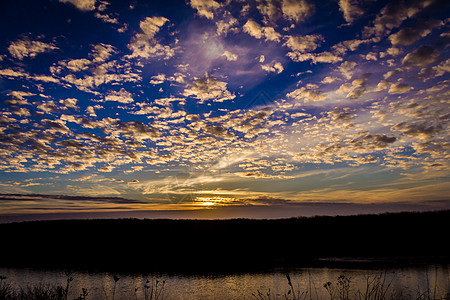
(152,290)
(225,245)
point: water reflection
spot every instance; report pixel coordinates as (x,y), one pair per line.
(405,283)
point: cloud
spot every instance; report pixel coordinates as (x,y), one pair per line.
(343,47)
(341,114)
(322,57)
(106,18)
(421,57)
(346,69)
(216,130)
(420,130)
(230,56)
(101,52)
(358,87)
(208,88)
(69,103)
(436,71)
(270,9)
(23,48)
(22,112)
(307,95)
(406,36)
(259,32)
(56,126)
(393,15)
(258,174)
(77,65)
(370,56)
(350,10)
(205,8)
(47,107)
(297,10)
(12,73)
(23,198)
(399,88)
(83,5)
(223,27)
(145,45)
(442,68)
(106,169)
(275,67)
(152,25)
(304,43)
(90,111)
(121,96)
(382,86)
(135,130)
(372,141)
(391,73)
(158,79)
(330,79)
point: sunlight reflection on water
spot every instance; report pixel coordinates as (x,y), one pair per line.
(405,283)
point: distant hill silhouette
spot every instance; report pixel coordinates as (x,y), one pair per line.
(224,245)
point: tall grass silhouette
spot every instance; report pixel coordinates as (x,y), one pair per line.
(376,287)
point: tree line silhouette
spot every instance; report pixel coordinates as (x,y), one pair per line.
(225,245)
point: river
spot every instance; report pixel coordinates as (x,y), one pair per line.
(402,283)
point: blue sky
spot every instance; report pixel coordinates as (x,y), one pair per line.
(212,106)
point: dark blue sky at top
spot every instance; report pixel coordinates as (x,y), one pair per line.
(193,104)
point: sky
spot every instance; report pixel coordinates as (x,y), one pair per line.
(217,109)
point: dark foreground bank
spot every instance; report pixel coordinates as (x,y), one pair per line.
(225,245)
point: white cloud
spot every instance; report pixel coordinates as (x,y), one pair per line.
(145,45)
(304,43)
(297,10)
(151,25)
(346,69)
(322,57)
(399,88)
(158,79)
(393,15)
(121,96)
(102,52)
(230,56)
(408,35)
(382,85)
(350,10)
(259,32)
(421,57)
(84,5)
(12,73)
(442,68)
(205,8)
(329,79)
(208,88)
(76,65)
(371,56)
(275,67)
(28,48)
(69,103)
(223,27)
(307,95)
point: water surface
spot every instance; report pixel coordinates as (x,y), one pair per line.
(404,283)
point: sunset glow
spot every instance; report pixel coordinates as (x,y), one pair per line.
(265,108)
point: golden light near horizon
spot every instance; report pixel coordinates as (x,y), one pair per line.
(213,201)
